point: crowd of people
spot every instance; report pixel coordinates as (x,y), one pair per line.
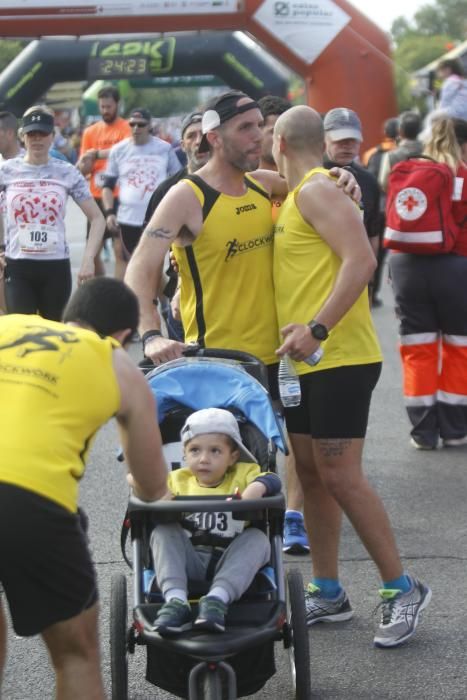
(272,207)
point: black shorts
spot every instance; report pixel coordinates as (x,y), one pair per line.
(45,566)
(130,238)
(335,402)
(38,287)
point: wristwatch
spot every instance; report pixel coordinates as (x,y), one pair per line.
(318,330)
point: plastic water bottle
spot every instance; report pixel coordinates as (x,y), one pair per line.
(289,383)
(315,357)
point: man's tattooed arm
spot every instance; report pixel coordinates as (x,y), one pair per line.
(163,233)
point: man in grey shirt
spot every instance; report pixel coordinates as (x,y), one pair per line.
(138,164)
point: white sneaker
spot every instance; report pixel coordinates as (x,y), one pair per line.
(455,442)
(400,613)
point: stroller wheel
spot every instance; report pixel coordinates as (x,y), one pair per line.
(118,637)
(299,651)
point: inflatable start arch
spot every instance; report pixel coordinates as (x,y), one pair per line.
(342,56)
(48,61)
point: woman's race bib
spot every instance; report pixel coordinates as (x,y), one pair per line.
(38,239)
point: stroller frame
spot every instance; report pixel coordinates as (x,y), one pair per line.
(280,613)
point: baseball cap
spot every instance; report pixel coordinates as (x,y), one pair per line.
(215,420)
(38,121)
(140,113)
(220,110)
(193,118)
(342,123)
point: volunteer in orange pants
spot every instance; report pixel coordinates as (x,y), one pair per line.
(431,303)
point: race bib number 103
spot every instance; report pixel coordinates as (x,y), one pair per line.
(38,239)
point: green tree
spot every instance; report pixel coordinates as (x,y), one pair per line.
(164,101)
(444,17)
(434,28)
(415,51)
(9,50)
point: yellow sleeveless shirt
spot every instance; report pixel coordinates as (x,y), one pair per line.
(305,270)
(227,297)
(57,387)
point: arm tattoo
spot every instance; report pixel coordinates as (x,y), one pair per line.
(333,447)
(164,233)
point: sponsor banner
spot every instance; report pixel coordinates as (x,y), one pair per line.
(306,27)
(115,8)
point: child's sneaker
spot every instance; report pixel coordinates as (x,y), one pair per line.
(211,614)
(319,609)
(174,617)
(295,537)
(400,613)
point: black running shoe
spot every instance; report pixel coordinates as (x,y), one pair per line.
(211,614)
(174,617)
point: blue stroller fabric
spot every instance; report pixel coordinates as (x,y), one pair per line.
(206,383)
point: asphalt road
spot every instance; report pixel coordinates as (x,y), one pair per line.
(425,494)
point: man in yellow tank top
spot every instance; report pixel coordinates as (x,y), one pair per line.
(60,382)
(322,264)
(219,223)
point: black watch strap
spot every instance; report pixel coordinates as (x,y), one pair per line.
(155,333)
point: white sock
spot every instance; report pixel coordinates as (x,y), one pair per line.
(221,593)
(176,593)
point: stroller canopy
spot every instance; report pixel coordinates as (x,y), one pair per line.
(202,383)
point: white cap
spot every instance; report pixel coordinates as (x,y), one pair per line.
(215,420)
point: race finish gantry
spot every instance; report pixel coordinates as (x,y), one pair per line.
(342,56)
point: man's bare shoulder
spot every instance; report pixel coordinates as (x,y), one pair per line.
(320,185)
(265,179)
(178,217)
(129,378)
(320,195)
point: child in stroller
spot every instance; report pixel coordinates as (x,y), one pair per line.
(200,545)
(201,663)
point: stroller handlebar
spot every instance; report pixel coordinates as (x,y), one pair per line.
(213,504)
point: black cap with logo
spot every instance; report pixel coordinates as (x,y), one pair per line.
(38,121)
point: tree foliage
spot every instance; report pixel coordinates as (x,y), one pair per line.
(165,101)
(9,50)
(443,17)
(435,28)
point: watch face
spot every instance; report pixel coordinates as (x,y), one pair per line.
(319,331)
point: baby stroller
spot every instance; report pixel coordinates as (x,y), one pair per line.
(197,664)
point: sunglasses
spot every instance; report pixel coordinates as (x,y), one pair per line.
(141,125)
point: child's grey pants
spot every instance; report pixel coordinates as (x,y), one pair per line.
(176,560)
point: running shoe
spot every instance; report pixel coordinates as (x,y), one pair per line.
(174,617)
(319,609)
(295,537)
(400,613)
(421,445)
(455,442)
(211,614)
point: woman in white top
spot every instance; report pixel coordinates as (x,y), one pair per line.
(37,256)
(453,95)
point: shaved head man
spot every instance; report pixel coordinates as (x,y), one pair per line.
(322,264)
